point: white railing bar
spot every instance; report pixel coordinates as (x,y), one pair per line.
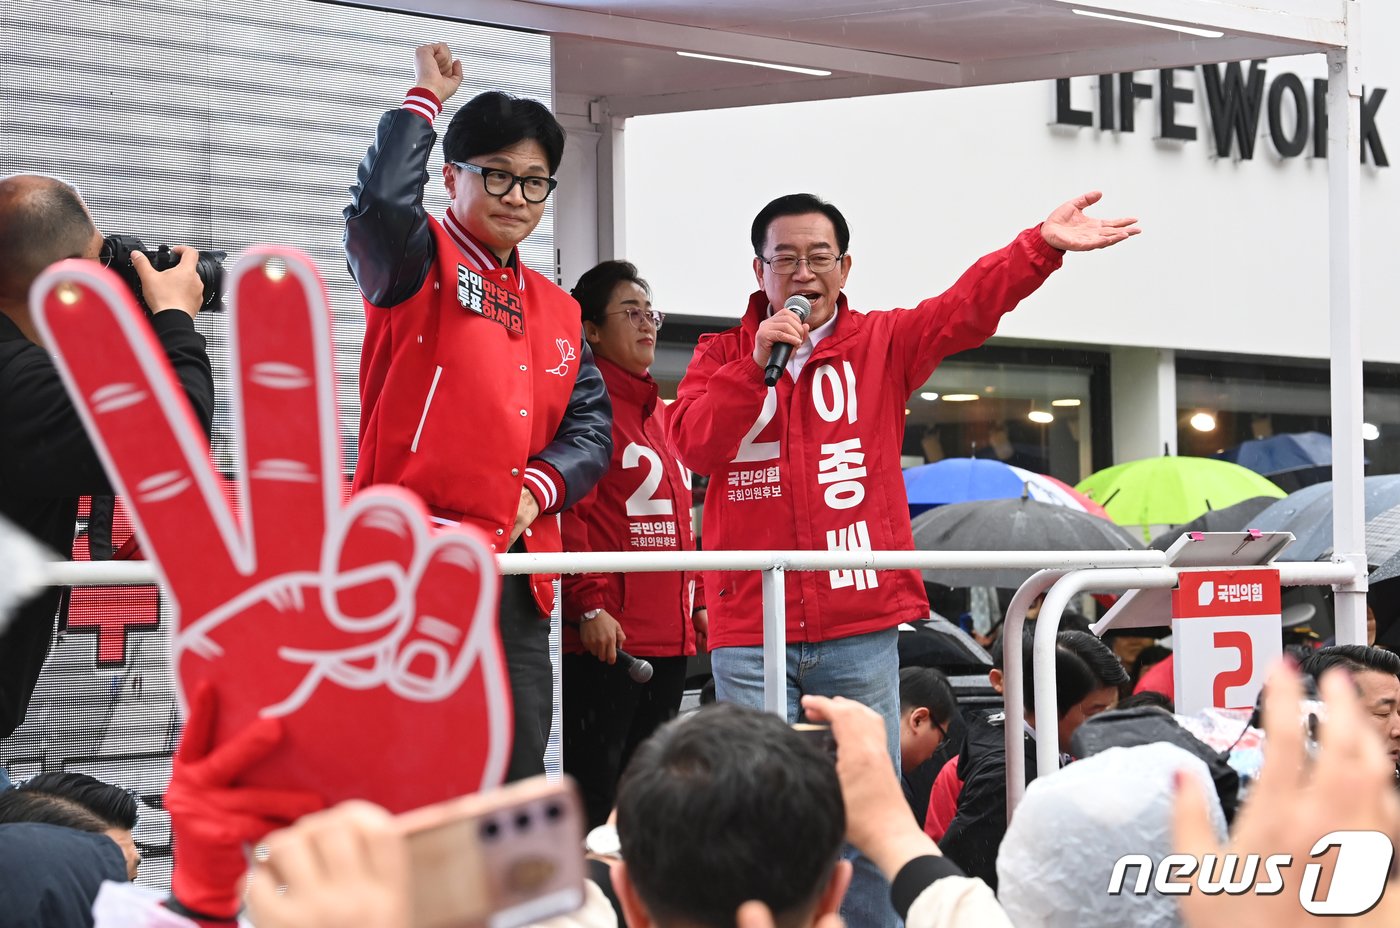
(106,573)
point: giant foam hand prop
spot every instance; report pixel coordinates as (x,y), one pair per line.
(372,637)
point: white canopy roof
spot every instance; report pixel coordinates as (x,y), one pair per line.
(625,51)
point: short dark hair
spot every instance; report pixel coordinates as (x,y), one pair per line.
(1083,664)
(595,288)
(727,805)
(114,805)
(1354,658)
(18,805)
(494,120)
(1150,698)
(798,204)
(42,220)
(927,687)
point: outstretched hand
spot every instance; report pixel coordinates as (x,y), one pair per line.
(1069,228)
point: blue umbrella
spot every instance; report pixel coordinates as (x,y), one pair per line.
(1281,453)
(960,480)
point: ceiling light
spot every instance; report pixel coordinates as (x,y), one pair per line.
(814,72)
(928,396)
(1040,417)
(960,397)
(1188,30)
(1066,402)
(1203,422)
(1369,431)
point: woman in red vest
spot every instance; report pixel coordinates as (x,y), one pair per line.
(641,504)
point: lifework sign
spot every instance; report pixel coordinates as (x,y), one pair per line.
(1227,631)
(370,634)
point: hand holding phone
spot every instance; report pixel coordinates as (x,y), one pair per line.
(500,859)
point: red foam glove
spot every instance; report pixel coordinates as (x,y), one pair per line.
(214,820)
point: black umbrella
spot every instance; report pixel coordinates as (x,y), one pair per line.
(1230,519)
(1308,515)
(1011,525)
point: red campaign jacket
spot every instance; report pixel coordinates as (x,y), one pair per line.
(641,504)
(814,465)
(474,379)
(454,404)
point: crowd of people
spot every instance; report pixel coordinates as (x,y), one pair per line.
(529,414)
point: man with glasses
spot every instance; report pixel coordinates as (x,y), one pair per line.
(812,462)
(477,390)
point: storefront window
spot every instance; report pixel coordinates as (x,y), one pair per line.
(1034,416)
(1221,404)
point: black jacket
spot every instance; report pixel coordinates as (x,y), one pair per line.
(47,462)
(390,250)
(974,836)
(50,876)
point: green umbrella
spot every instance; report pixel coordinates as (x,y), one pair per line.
(1172,490)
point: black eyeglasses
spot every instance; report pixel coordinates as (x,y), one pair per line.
(637,316)
(943,732)
(498,183)
(786,265)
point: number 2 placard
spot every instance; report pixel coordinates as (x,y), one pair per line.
(1227,632)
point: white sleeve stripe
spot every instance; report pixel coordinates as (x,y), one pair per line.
(420,109)
(424,100)
(545,485)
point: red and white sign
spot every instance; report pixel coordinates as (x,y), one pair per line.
(1227,630)
(371,635)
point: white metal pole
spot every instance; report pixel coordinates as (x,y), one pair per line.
(1343,180)
(775,642)
(1012,675)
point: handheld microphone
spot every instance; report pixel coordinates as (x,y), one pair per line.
(638,669)
(783,350)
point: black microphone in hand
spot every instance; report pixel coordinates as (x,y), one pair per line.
(638,669)
(783,350)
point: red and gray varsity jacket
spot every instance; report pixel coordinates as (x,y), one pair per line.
(474,379)
(814,464)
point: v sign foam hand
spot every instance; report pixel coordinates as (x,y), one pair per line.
(370,635)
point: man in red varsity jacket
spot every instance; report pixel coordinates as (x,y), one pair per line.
(813,462)
(477,390)
(641,504)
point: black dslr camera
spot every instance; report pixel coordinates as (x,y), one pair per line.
(116,254)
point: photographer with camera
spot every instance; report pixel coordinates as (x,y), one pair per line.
(48,460)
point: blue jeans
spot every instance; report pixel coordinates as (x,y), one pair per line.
(864,668)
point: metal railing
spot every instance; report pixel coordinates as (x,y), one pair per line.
(773,564)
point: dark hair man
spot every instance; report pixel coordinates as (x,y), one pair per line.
(76,800)
(114,807)
(1376,673)
(926,707)
(477,392)
(806,464)
(725,806)
(48,460)
(641,504)
(1087,677)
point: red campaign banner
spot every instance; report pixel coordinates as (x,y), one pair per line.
(1215,593)
(368,632)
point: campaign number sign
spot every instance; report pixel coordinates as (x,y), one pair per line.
(1227,631)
